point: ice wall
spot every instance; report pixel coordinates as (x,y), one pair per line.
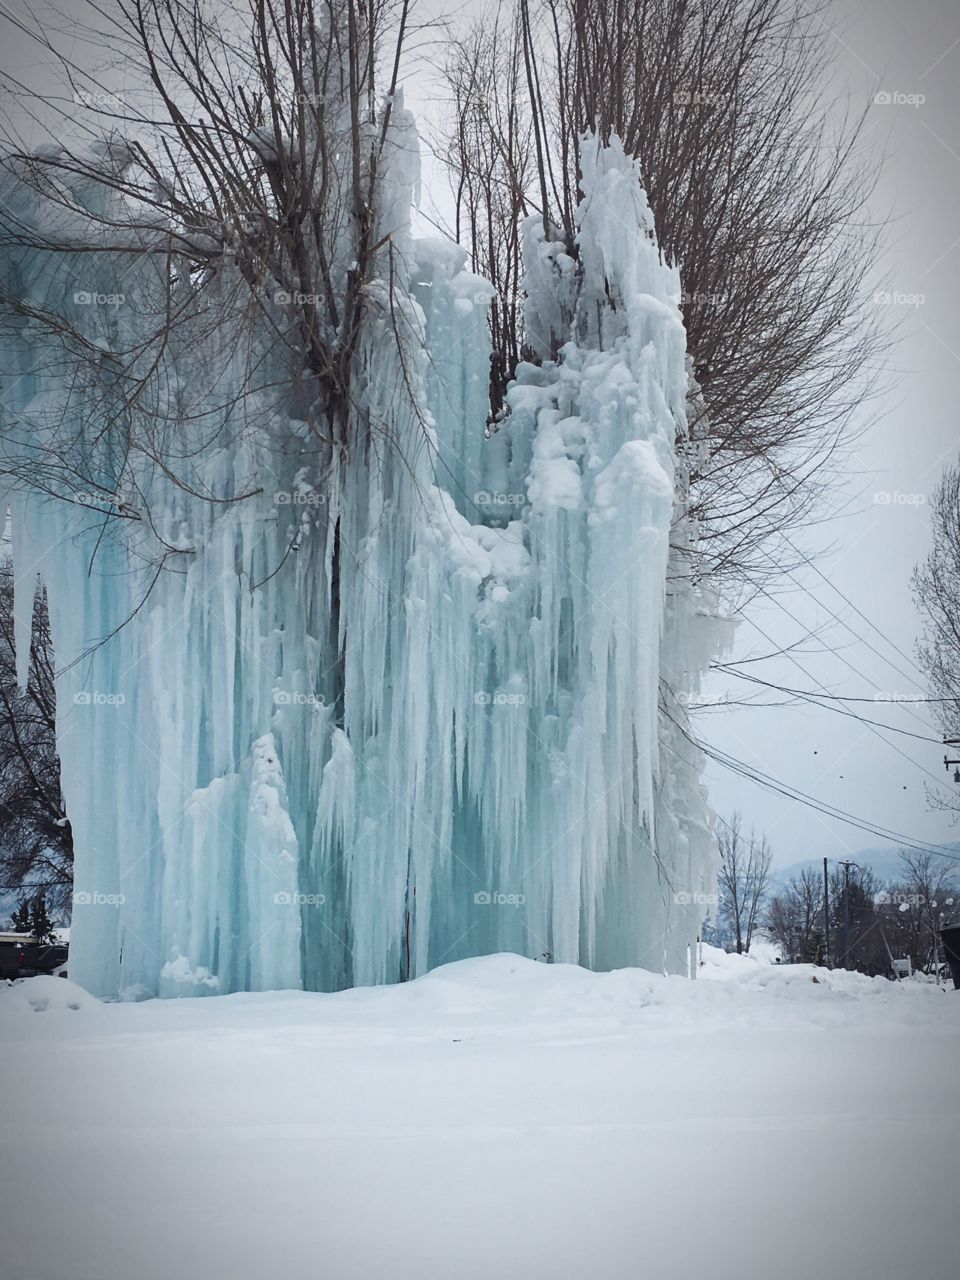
(402,704)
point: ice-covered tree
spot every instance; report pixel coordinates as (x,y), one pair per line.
(760,191)
(348,687)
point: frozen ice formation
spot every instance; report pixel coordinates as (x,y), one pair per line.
(396,705)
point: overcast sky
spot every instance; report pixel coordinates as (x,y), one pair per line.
(912,54)
(909,52)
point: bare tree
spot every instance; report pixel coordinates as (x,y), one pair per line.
(238,199)
(757,192)
(795,918)
(249,169)
(36,845)
(936,585)
(919,903)
(246,172)
(743,877)
(490,153)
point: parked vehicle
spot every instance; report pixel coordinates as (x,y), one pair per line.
(21,956)
(951,946)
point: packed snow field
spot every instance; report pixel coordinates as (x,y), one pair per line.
(495,1118)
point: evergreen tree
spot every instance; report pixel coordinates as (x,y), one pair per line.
(21,921)
(41,926)
(36,842)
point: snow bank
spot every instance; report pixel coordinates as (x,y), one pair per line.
(43,994)
(497,1117)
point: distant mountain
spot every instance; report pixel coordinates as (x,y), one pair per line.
(884,862)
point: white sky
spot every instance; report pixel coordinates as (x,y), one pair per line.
(908,50)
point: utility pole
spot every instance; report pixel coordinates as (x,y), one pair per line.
(826,914)
(846,910)
(952,742)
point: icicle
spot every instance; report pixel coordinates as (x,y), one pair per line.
(403,704)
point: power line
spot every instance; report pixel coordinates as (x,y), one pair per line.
(828,810)
(808,560)
(872,729)
(733,667)
(836,653)
(766,780)
(814,698)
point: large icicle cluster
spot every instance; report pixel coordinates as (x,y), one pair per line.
(400,706)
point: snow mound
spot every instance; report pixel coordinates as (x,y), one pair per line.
(44,994)
(503,996)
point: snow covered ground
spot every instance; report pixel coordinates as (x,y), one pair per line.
(497,1119)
